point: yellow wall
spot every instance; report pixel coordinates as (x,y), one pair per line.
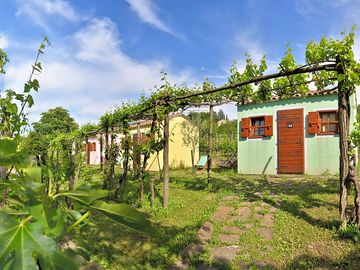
(179,154)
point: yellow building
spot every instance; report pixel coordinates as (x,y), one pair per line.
(179,153)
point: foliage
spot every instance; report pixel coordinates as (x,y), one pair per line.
(33,215)
(42,217)
(351,231)
(12,104)
(52,123)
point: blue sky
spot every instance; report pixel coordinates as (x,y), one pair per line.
(107,51)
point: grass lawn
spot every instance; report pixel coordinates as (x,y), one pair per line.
(304,229)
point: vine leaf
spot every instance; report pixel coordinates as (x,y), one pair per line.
(9,154)
(126,216)
(20,242)
(85,197)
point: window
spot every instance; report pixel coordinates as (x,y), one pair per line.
(328,122)
(257,128)
(323,122)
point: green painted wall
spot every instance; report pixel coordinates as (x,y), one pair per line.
(259,156)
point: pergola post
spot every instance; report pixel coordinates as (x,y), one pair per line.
(211,111)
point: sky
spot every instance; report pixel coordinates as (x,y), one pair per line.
(106,52)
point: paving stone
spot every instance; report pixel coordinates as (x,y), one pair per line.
(179,265)
(206,267)
(231,239)
(258,194)
(268,220)
(230,198)
(233,229)
(222,212)
(224,254)
(243,266)
(205,232)
(193,250)
(265,233)
(248,226)
(244,212)
(246,203)
(272,209)
(260,265)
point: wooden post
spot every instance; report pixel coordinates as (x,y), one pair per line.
(72,173)
(57,168)
(166,162)
(211,111)
(87,150)
(106,145)
(101,152)
(343,116)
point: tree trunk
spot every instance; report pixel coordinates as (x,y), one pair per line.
(193,161)
(210,145)
(166,163)
(87,150)
(72,174)
(152,191)
(113,160)
(57,175)
(106,146)
(101,152)
(343,117)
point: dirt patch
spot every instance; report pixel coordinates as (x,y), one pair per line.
(222,212)
(231,239)
(224,254)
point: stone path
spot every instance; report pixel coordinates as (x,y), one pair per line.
(222,237)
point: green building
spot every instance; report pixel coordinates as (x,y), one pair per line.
(297,135)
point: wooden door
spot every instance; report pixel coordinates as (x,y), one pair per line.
(290,125)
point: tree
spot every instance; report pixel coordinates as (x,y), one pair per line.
(190,132)
(220,115)
(52,123)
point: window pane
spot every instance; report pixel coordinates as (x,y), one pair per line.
(324,128)
(257,121)
(333,127)
(332,117)
(262,131)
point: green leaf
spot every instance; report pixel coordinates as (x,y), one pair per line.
(27,88)
(9,155)
(86,197)
(22,242)
(30,100)
(126,216)
(33,174)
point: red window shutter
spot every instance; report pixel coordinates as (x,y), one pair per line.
(93,147)
(313,122)
(245,124)
(269,125)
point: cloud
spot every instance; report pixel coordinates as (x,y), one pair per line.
(146,10)
(4,42)
(312,9)
(248,42)
(39,10)
(90,74)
